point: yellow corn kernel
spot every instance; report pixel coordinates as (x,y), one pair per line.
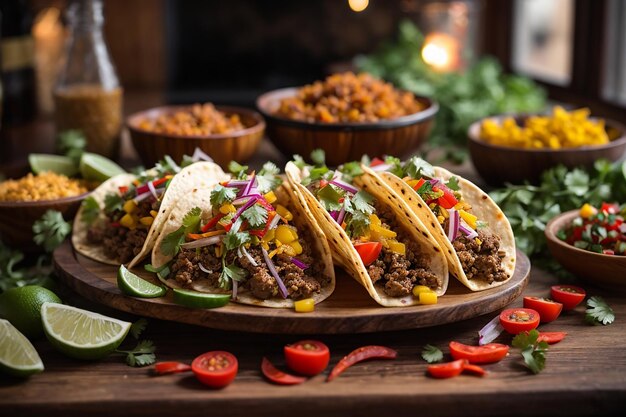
(478,241)
(128,221)
(269,236)
(397,247)
(286,234)
(469,218)
(270,197)
(130,206)
(587,210)
(296,246)
(153,213)
(305,305)
(288,249)
(265,245)
(441,219)
(227,208)
(283,212)
(444,213)
(146,221)
(418,289)
(427,298)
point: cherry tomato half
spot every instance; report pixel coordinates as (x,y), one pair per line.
(489,353)
(307,357)
(368,251)
(517,320)
(279,377)
(548,310)
(215,369)
(164,368)
(551,337)
(568,295)
(447,370)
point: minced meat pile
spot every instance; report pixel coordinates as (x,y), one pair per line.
(481,260)
(398,274)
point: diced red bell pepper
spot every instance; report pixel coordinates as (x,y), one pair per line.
(262,232)
(419,184)
(212,223)
(448,200)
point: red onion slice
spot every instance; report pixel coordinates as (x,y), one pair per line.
(299,263)
(245,207)
(203,269)
(199,155)
(207,241)
(246,199)
(272,268)
(453,224)
(467,231)
(344,185)
(490,332)
(140,197)
(341,216)
(250,184)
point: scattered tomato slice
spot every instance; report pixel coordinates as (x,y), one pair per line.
(368,251)
(164,368)
(568,295)
(279,377)
(517,320)
(307,357)
(474,369)
(489,353)
(548,310)
(215,369)
(551,337)
(448,369)
(359,355)
(376,161)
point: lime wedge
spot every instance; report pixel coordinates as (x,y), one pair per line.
(41,162)
(94,167)
(131,284)
(199,299)
(80,333)
(18,357)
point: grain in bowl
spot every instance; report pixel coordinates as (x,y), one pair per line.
(45,186)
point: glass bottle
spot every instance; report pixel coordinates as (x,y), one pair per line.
(88,95)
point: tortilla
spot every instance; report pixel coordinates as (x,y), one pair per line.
(343,252)
(302,219)
(482,206)
(196,175)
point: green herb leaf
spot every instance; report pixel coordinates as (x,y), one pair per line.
(233,239)
(362,201)
(239,171)
(231,273)
(417,168)
(432,354)
(138,327)
(171,243)
(141,355)
(71,143)
(91,210)
(598,311)
(357,223)
(51,230)
(453,183)
(112,202)
(268,178)
(533,352)
(298,161)
(221,195)
(256,215)
(329,198)
(318,156)
(191,221)
(350,170)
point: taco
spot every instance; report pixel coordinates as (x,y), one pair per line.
(475,234)
(248,236)
(372,233)
(120,221)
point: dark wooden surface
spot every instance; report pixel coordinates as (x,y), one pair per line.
(348,310)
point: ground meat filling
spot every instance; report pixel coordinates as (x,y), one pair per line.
(120,243)
(398,274)
(481,260)
(260,282)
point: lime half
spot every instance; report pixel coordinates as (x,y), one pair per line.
(94,167)
(17,355)
(41,162)
(80,333)
(199,299)
(131,284)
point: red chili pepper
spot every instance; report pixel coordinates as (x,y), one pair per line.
(164,368)
(279,377)
(609,208)
(160,181)
(211,223)
(361,354)
(265,204)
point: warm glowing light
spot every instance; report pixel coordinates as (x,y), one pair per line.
(358,5)
(441,51)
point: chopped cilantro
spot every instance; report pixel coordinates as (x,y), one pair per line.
(191,221)
(231,273)
(233,239)
(598,311)
(71,143)
(351,170)
(238,170)
(318,156)
(357,224)
(362,201)
(51,230)
(91,210)
(427,193)
(453,184)
(396,166)
(221,195)
(141,355)
(112,202)
(256,215)
(432,354)
(317,174)
(416,167)
(171,242)
(267,178)
(138,327)
(534,352)
(329,198)
(298,161)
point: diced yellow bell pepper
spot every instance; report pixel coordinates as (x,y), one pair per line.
(128,221)
(418,289)
(441,219)
(306,305)
(288,249)
(375,220)
(397,247)
(412,183)
(153,213)
(283,212)
(297,247)
(286,234)
(269,235)
(480,242)
(130,206)
(227,208)
(587,210)
(272,253)
(270,197)
(386,233)
(469,218)
(146,221)
(427,298)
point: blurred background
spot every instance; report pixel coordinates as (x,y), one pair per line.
(167,51)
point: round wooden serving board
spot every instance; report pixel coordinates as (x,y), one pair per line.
(348,310)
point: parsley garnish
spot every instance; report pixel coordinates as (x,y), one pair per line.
(229,273)
(534,352)
(598,311)
(221,195)
(396,166)
(238,170)
(317,173)
(138,327)
(171,243)
(256,215)
(112,202)
(298,161)
(357,224)
(51,230)
(318,156)
(91,210)
(432,354)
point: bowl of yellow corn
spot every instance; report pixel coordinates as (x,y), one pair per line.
(518,148)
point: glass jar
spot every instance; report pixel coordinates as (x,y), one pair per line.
(88,95)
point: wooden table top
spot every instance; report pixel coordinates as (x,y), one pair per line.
(585,374)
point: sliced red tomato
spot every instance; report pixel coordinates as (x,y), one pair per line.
(568,295)
(448,200)
(609,208)
(279,377)
(359,355)
(164,368)
(489,353)
(419,184)
(548,310)
(517,320)
(323,183)
(215,369)
(474,369)
(448,369)
(376,161)
(551,337)
(307,357)
(368,251)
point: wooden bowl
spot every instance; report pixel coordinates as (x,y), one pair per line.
(17,219)
(500,164)
(223,148)
(602,270)
(345,142)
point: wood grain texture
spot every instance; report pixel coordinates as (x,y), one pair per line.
(348,310)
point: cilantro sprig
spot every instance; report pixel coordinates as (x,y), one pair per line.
(91,210)
(432,354)
(171,243)
(221,195)
(143,352)
(598,311)
(51,230)
(533,351)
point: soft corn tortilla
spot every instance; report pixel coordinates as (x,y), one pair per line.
(343,251)
(197,175)
(482,206)
(302,219)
